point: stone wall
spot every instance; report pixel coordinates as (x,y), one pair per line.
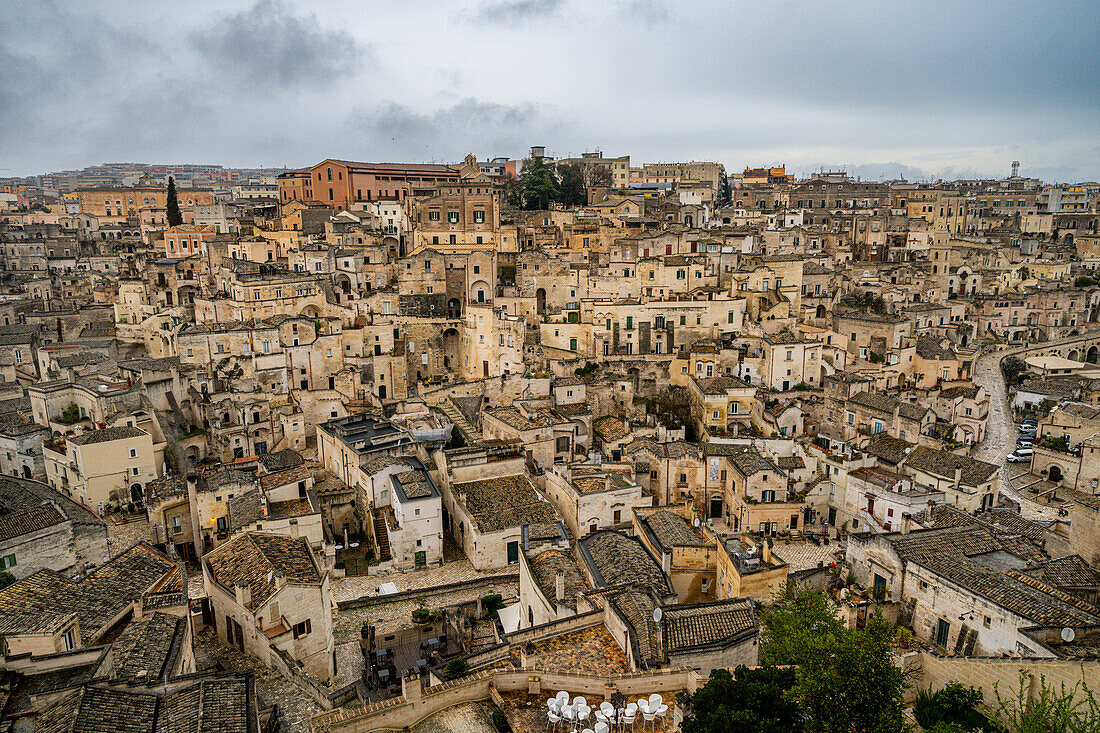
(1004,672)
(417,704)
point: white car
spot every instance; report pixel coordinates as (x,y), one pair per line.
(1020,455)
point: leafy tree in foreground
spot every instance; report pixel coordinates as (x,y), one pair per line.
(749,701)
(798,620)
(175,218)
(852,685)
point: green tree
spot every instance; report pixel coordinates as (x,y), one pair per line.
(725,190)
(852,684)
(538,185)
(457,667)
(513,196)
(573,189)
(748,701)
(1013,367)
(175,218)
(798,621)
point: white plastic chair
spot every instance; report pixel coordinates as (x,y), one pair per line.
(552,719)
(655,701)
(629,715)
(563,696)
(579,701)
(569,715)
(553,703)
(660,713)
(649,716)
(601,727)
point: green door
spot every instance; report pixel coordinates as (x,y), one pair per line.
(421,559)
(513,552)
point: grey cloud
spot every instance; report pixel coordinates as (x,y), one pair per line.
(514,11)
(446,134)
(270,43)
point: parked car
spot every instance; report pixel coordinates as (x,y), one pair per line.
(1020,455)
(1028,428)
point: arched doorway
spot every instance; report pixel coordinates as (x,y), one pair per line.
(540,301)
(688,221)
(820,311)
(26,471)
(1054,474)
(450,349)
(454,308)
(1074,355)
(480,293)
(1092,354)
(137,494)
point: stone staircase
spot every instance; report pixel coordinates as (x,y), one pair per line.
(473,437)
(382,536)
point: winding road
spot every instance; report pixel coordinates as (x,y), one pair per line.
(1000,429)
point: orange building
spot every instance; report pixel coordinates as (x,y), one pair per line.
(187,239)
(341,183)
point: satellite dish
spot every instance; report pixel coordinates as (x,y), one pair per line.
(657,614)
(844,593)
(907,451)
(695,521)
(1068,634)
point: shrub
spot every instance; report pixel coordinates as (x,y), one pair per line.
(456,668)
(500,721)
(491,604)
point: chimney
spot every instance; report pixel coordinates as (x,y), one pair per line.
(958,477)
(906,522)
(294,528)
(280,579)
(243,591)
(559,586)
(766,550)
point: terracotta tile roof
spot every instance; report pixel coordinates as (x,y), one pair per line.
(1067,572)
(888,448)
(943,464)
(610,428)
(224,704)
(270,481)
(503,502)
(617,559)
(41,602)
(253,557)
(671,530)
(142,652)
(120,432)
(685,627)
(544,569)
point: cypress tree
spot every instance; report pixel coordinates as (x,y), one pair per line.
(175,218)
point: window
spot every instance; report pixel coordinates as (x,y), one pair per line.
(479,216)
(134,470)
(433,216)
(7,561)
(303,628)
(133,452)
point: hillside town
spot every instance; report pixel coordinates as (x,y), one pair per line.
(366,446)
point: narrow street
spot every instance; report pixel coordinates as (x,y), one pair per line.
(1001,431)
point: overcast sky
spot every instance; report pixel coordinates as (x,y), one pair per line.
(950,88)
